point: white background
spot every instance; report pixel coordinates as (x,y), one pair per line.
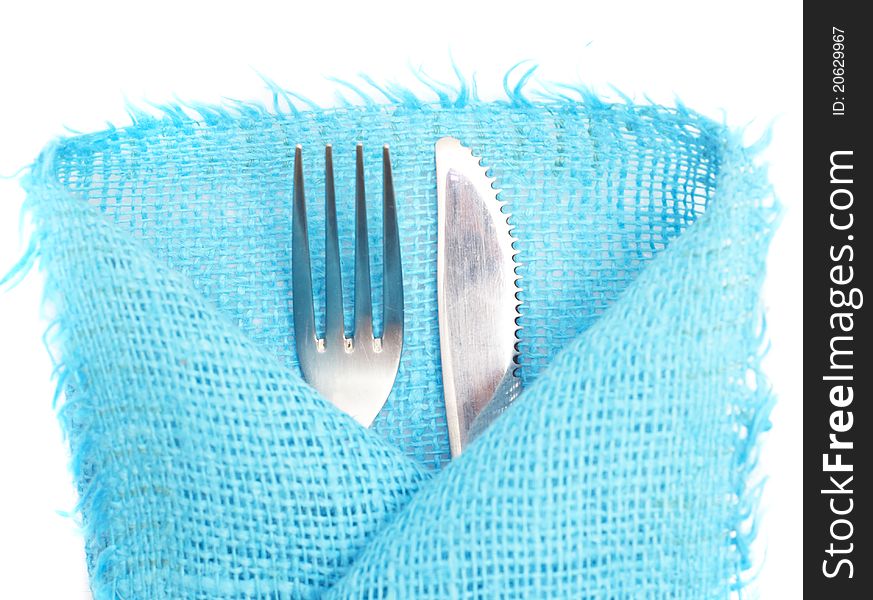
(73,64)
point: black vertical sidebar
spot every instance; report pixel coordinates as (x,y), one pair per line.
(837,369)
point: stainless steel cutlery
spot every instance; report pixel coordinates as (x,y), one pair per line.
(356,373)
(477,297)
(476,287)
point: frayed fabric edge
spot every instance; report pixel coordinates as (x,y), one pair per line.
(753,419)
(520,86)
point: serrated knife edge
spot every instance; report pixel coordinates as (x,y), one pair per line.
(477,294)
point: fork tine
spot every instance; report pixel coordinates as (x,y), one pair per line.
(392,285)
(334,330)
(363,298)
(301,275)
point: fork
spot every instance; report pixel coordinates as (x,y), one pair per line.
(356,374)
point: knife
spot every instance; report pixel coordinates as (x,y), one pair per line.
(477,302)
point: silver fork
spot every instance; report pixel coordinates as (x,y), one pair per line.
(356,374)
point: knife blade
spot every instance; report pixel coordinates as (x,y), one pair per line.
(477,302)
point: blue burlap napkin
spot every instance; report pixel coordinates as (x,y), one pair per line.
(207,468)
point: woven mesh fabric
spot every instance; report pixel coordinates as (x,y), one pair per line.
(208,469)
